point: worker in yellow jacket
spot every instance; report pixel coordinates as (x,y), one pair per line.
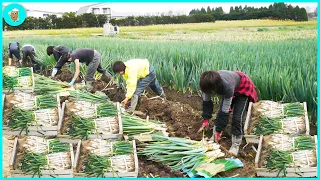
(138,74)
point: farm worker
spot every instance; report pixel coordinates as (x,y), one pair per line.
(92,58)
(14,49)
(138,74)
(60,54)
(28,51)
(236,89)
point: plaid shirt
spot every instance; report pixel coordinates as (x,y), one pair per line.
(246,87)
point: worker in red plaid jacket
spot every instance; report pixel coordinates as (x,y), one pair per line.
(237,90)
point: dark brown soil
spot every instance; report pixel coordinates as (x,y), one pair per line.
(194,100)
(63,75)
(181,119)
(67,119)
(115,94)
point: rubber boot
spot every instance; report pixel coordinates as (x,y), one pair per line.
(236,141)
(106,77)
(9,61)
(133,105)
(35,69)
(89,86)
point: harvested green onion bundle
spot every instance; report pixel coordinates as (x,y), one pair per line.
(304,143)
(106,110)
(10,82)
(21,119)
(97,165)
(44,85)
(25,72)
(279,160)
(106,148)
(86,96)
(122,147)
(279,141)
(10,71)
(33,162)
(56,146)
(46,101)
(293,110)
(134,125)
(267,125)
(180,153)
(22,100)
(81,127)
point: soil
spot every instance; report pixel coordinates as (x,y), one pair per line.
(194,100)
(66,123)
(64,75)
(114,93)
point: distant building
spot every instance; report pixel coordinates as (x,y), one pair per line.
(104,8)
(42,14)
(99,8)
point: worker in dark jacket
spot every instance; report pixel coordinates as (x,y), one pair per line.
(14,49)
(236,89)
(60,54)
(92,58)
(28,51)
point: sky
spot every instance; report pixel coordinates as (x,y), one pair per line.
(151,8)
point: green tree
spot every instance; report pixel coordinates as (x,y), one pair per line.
(208,10)
(303,15)
(203,11)
(231,9)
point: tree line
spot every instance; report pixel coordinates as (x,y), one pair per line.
(279,11)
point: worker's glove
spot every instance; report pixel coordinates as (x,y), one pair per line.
(71,83)
(54,72)
(204,125)
(216,135)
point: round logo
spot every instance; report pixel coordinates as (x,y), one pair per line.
(14,14)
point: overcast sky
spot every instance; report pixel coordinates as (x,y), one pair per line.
(145,8)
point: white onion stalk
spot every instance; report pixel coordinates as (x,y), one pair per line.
(36,144)
(84,109)
(46,117)
(293,125)
(23,100)
(304,158)
(25,81)
(59,161)
(122,163)
(100,147)
(106,125)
